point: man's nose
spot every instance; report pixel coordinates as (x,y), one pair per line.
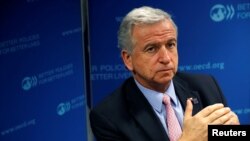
(164,55)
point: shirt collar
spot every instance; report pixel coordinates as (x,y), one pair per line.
(171,92)
(155,98)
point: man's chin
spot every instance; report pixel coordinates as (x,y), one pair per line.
(165,79)
(166,75)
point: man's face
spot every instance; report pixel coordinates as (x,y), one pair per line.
(154,59)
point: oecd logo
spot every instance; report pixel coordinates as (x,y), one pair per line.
(62,108)
(29,82)
(220,12)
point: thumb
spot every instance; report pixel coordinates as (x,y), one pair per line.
(189,109)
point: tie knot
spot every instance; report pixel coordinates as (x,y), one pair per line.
(166,99)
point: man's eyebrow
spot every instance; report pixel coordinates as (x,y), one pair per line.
(157,43)
(172,39)
(151,43)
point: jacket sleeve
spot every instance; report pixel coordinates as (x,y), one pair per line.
(220,92)
(103,129)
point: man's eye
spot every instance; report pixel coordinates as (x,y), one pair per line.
(150,49)
(171,45)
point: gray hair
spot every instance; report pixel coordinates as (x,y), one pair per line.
(142,15)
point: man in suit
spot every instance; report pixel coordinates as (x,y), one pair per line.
(135,111)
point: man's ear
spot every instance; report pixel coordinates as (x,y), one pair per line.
(126,57)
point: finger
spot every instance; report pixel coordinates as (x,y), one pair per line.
(210,109)
(222,119)
(234,119)
(189,109)
(220,115)
(229,122)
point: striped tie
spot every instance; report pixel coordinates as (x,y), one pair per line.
(173,125)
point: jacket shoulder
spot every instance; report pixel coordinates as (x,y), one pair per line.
(194,80)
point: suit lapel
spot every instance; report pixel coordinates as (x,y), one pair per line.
(183,92)
(144,114)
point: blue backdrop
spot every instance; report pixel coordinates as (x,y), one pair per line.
(42,71)
(214,38)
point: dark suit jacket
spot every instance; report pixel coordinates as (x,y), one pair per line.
(126,115)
